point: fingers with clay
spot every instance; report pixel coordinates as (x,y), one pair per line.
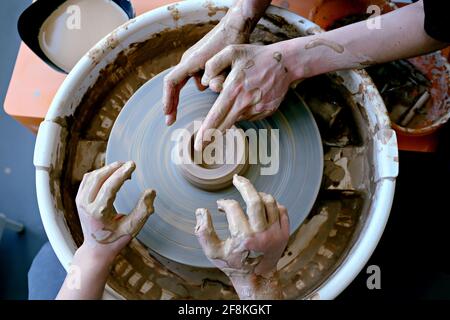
(95,199)
(257,239)
(253,89)
(206,234)
(232,29)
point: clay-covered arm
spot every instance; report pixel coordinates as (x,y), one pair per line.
(401,35)
(105,231)
(260,76)
(234,28)
(257,240)
(251,9)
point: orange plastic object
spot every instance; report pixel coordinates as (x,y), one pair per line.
(326,12)
(425,143)
(34,84)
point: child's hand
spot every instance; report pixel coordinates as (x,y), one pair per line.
(106,232)
(249,257)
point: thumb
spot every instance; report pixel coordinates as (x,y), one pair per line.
(216,84)
(206,234)
(131,224)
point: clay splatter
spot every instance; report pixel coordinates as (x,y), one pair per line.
(277,56)
(322,42)
(249,64)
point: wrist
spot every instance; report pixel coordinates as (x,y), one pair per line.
(92,257)
(257,287)
(253,9)
(242,18)
(86,278)
(299,63)
(236,26)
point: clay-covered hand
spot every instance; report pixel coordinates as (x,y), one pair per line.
(103,228)
(234,28)
(254,88)
(249,256)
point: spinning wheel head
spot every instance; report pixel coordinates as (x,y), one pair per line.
(140,134)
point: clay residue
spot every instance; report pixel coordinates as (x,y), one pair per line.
(336,47)
(213,9)
(290,30)
(249,64)
(324,241)
(366,63)
(344,169)
(277,56)
(262,35)
(174,12)
(97,52)
(90,155)
(313,30)
(332,108)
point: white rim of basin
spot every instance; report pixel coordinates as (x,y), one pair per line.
(384,151)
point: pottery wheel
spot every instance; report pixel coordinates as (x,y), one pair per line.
(140,134)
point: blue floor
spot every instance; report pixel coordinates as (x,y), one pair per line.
(17,187)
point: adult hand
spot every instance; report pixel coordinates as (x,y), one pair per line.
(249,257)
(105,231)
(234,28)
(254,89)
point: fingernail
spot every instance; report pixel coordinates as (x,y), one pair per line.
(131,165)
(216,86)
(200,214)
(169,120)
(198,143)
(205,80)
(220,204)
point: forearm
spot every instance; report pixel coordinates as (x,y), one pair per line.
(87,277)
(252,8)
(245,14)
(257,287)
(401,35)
